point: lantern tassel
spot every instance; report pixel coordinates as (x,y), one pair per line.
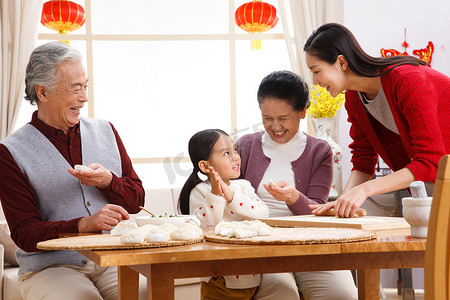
(256,45)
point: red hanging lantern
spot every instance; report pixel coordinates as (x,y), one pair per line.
(256,17)
(62,15)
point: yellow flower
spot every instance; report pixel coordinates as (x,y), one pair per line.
(322,105)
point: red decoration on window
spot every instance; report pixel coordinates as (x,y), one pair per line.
(256,17)
(424,54)
(62,15)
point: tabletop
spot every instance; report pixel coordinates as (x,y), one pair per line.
(391,249)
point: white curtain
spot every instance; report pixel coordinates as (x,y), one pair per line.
(299,19)
(19,21)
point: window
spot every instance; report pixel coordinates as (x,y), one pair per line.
(162,70)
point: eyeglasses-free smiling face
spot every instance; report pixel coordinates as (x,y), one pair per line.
(225,160)
(280,120)
(329,76)
(61,108)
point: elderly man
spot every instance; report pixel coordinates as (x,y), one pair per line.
(43,196)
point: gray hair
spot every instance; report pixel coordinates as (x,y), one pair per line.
(42,67)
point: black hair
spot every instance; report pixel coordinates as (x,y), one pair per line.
(200,147)
(286,86)
(331,40)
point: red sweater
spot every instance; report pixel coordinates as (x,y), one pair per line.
(419,98)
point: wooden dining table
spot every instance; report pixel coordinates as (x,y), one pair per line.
(391,249)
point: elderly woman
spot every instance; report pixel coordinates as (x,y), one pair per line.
(43,196)
(301,166)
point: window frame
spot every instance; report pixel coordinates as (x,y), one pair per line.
(231,37)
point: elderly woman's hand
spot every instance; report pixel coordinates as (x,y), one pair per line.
(283,191)
(99,176)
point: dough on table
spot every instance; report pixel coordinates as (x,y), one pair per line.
(123,227)
(157,235)
(186,231)
(134,236)
(243,229)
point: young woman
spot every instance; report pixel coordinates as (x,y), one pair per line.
(219,198)
(399,109)
(302,168)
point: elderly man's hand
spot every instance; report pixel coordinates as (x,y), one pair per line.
(105,219)
(99,176)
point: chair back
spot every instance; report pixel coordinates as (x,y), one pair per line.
(437,255)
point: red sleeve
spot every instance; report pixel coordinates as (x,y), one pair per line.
(21,210)
(364,158)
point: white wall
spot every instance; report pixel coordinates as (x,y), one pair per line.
(380,24)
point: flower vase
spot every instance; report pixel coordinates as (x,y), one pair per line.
(323,131)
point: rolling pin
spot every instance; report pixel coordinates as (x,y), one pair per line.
(360,212)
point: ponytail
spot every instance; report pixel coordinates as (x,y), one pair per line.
(200,147)
(183,200)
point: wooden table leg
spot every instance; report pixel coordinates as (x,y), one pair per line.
(368,284)
(160,282)
(128,283)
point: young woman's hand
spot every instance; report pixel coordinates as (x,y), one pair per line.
(350,201)
(214,178)
(283,192)
(344,206)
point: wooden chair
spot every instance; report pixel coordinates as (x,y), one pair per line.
(437,255)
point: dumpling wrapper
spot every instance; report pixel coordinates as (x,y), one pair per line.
(184,234)
(156,236)
(134,236)
(190,226)
(148,228)
(81,168)
(169,227)
(194,220)
(244,231)
(226,228)
(261,227)
(123,227)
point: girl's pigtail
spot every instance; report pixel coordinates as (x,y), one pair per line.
(191,182)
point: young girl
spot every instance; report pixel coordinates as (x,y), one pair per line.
(219,198)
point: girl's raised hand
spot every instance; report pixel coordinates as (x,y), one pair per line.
(283,191)
(228,193)
(216,187)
